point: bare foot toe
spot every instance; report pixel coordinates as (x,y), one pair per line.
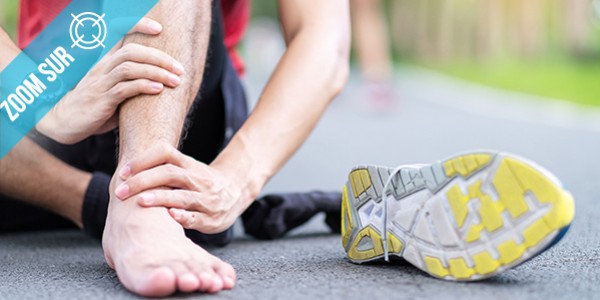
(206,281)
(227,274)
(217,285)
(159,282)
(188,283)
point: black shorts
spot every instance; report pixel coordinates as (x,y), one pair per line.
(218,111)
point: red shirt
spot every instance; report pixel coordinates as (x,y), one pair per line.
(236,15)
(35,15)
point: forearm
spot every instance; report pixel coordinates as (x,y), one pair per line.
(145,120)
(307,78)
(30,173)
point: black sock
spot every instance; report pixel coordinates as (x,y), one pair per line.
(273,216)
(95,205)
(219,239)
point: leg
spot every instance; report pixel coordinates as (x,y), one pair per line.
(47,185)
(146,246)
(373,52)
(219,111)
(370,39)
(30,165)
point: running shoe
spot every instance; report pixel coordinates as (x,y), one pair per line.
(465,218)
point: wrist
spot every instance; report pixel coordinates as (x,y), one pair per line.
(46,125)
(51,126)
(250,181)
(247,165)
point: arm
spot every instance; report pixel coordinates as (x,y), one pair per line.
(8,49)
(91,106)
(59,187)
(311,73)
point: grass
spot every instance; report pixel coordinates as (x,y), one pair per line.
(578,82)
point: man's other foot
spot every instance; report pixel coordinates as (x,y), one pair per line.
(379,97)
(465,218)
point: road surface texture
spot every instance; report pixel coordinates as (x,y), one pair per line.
(432,119)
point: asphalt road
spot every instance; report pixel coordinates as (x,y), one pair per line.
(432,119)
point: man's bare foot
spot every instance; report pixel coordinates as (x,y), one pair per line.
(152,255)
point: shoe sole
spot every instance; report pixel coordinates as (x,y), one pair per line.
(465,218)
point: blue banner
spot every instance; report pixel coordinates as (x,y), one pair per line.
(58,58)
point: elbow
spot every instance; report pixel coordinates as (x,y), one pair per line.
(341,67)
(340,76)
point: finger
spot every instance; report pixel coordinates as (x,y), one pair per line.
(189,219)
(132,70)
(146,55)
(127,89)
(143,26)
(103,66)
(198,221)
(147,26)
(162,153)
(180,199)
(167,175)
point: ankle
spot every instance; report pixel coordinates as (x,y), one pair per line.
(95,204)
(73,211)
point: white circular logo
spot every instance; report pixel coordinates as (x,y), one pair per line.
(88,30)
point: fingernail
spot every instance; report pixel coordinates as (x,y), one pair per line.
(155,27)
(176,214)
(122,191)
(178,68)
(148,198)
(125,171)
(157,86)
(174,79)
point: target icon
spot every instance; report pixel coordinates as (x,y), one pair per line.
(88,30)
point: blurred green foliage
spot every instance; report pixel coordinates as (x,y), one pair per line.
(262,8)
(543,47)
(557,78)
(549,48)
(557,72)
(8,16)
